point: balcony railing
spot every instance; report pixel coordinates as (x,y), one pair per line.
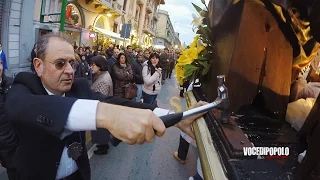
(117,7)
(107,3)
(148,29)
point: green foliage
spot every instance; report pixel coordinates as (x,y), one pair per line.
(190,71)
(198,9)
(200,66)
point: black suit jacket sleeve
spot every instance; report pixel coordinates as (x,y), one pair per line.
(28,105)
(48,113)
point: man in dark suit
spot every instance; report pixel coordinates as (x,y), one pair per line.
(51,111)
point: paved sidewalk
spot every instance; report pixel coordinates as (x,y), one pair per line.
(149,161)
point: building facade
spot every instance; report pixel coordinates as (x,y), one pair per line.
(88,22)
(102,22)
(165,36)
(177,42)
(17,33)
(143,16)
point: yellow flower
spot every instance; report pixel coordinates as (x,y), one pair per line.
(184,53)
(185,61)
(194,42)
(193,53)
(179,74)
(188,56)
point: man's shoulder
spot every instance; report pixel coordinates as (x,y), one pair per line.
(30,81)
(27,79)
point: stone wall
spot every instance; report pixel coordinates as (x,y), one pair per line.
(18,34)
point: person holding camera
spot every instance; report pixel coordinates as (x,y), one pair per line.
(151,74)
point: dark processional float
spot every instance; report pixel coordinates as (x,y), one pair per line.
(267,53)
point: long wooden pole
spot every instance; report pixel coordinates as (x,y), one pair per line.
(211,164)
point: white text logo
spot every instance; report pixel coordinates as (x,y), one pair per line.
(265,151)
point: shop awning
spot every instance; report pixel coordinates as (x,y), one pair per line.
(110,34)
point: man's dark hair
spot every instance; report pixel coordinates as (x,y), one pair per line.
(87,48)
(128,46)
(101,62)
(44,41)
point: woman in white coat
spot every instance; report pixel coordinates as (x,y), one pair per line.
(151,74)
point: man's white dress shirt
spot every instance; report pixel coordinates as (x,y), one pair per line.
(82,117)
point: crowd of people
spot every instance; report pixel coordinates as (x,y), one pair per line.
(124,66)
(111,70)
(147,69)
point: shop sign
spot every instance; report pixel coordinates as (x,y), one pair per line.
(92,35)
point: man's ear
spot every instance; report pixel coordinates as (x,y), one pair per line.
(38,66)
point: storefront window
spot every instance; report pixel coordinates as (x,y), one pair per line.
(73,17)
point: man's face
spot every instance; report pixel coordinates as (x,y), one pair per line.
(55,70)
(139,59)
(130,49)
(146,54)
(116,53)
